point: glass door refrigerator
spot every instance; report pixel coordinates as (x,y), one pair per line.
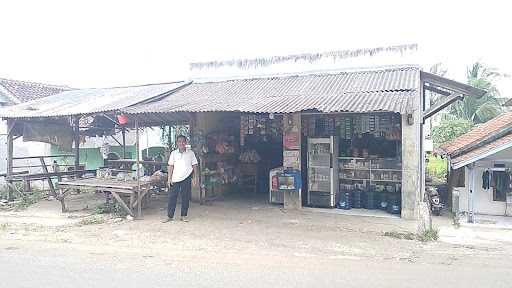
(322,172)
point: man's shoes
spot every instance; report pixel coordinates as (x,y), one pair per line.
(184,218)
(168,219)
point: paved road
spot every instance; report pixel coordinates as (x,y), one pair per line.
(33,264)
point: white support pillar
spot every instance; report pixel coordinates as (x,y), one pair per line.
(471,196)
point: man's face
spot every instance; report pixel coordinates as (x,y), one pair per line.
(181,143)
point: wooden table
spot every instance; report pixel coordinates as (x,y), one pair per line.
(113,186)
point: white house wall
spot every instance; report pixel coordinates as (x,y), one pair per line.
(483,202)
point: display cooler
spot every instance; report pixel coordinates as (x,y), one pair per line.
(322,174)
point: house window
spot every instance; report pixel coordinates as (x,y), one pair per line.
(459,177)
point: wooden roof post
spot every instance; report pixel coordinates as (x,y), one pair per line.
(10,152)
(137,147)
(76,140)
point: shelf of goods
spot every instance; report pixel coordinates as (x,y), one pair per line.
(219,173)
(369,183)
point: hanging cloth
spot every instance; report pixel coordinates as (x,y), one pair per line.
(486,181)
(56,134)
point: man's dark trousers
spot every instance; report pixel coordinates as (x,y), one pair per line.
(183,188)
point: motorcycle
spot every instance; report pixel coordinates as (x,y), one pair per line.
(434,200)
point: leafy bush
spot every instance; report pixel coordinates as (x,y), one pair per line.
(437,167)
(450,129)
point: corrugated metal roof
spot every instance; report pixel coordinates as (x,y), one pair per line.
(87,101)
(357,91)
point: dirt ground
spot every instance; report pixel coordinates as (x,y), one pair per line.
(249,226)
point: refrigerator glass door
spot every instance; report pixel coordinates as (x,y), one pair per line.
(319,165)
(320,154)
(319,179)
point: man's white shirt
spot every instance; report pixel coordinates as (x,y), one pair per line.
(182,162)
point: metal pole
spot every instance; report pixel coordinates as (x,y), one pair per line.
(139,205)
(123,131)
(421,196)
(147,142)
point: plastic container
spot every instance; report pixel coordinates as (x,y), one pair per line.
(357,199)
(344,202)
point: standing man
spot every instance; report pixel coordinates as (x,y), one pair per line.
(182,175)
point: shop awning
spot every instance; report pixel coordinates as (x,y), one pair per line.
(369,90)
(89,101)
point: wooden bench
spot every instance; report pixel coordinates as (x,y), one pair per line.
(117,188)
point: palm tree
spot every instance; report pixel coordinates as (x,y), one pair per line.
(479,110)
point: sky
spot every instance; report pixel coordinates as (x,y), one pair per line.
(115,43)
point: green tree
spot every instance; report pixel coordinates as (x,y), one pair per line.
(480,110)
(472,110)
(449,129)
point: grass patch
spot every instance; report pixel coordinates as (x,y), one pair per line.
(27,199)
(110,208)
(437,168)
(484,221)
(3,226)
(102,209)
(92,220)
(21,200)
(401,235)
(17,189)
(428,235)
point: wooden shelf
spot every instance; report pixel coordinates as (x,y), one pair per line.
(373,172)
